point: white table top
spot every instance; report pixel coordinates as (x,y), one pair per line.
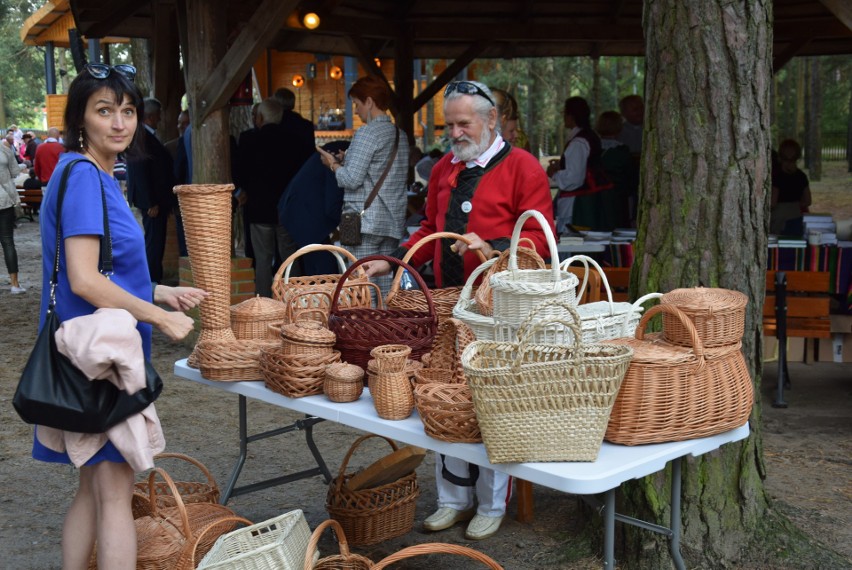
(615,463)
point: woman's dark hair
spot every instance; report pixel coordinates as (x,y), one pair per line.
(578,108)
(371,86)
(82,88)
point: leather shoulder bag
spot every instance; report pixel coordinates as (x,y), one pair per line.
(52,391)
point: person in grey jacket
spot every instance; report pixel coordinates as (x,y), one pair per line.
(9,200)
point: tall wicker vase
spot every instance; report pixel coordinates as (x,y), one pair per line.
(206,210)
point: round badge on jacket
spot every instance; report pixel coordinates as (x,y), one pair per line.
(466,207)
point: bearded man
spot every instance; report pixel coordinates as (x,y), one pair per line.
(478,190)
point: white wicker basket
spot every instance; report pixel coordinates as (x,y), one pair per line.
(279,543)
(516,292)
(484,327)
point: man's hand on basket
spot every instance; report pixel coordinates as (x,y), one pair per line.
(476,242)
(377,268)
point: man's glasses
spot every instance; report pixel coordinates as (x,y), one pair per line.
(102,70)
(467,88)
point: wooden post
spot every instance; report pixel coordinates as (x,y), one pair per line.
(404,81)
(168,85)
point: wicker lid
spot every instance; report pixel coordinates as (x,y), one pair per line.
(262,308)
(308,331)
(705,300)
(344,372)
(653,349)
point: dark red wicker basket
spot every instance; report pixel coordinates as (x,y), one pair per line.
(360,330)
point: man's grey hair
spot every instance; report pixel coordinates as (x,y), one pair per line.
(270,110)
(481,105)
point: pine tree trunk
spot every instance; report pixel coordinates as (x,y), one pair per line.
(703,220)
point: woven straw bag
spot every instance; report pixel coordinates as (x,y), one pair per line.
(343,382)
(447,412)
(314,291)
(437,548)
(295,375)
(346,560)
(279,543)
(360,330)
(527,259)
(516,292)
(250,319)
(206,491)
(452,338)
(484,327)
(544,402)
(673,392)
(717,314)
(370,516)
(414,299)
(175,538)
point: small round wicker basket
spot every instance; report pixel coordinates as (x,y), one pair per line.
(250,319)
(343,382)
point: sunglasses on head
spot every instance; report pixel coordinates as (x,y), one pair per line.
(467,88)
(102,70)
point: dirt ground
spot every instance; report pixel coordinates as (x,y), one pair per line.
(808,447)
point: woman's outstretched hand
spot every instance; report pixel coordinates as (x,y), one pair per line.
(179,298)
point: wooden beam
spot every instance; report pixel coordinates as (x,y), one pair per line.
(366,55)
(114,13)
(404,82)
(447,75)
(168,85)
(781,59)
(252,40)
(842,9)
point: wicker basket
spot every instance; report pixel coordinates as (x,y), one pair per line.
(438,548)
(414,299)
(206,491)
(343,382)
(717,314)
(527,259)
(360,330)
(295,375)
(672,392)
(314,291)
(484,327)
(250,319)
(306,337)
(370,516)
(392,395)
(447,412)
(434,376)
(516,292)
(231,360)
(452,338)
(346,560)
(279,543)
(389,358)
(544,402)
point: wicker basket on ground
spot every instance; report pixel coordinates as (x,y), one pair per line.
(343,382)
(250,319)
(717,314)
(447,412)
(206,491)
(345,560)
(295,375)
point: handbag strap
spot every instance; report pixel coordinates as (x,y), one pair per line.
(106,239)
(384,175)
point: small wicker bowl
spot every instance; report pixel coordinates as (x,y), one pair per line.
(447,412)
(433,376)
(307,337)
(251,318)
(390,357)
(343,382)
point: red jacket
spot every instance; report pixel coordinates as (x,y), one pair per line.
(517,184)
(46,157)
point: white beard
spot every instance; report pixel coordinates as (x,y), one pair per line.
(470,151)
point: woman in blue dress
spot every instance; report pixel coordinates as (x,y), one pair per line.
(103,117)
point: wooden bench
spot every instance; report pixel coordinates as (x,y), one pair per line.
(797,304)
(619,282)
(31,201)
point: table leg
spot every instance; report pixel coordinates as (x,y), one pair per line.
(525,501)
(241,460)
(674,540)
(609,530)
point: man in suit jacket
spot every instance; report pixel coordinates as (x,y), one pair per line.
(297,127)
(150,181)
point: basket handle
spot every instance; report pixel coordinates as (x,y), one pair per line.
(193,461)
(414,273)
(339,481)
(152,498)
(467,290)
(697,345)
(530,325)
(410,253)
(548,233)
(586,261)
(208,528)
(437,548)
(636,307)
(311,550)
(336,251)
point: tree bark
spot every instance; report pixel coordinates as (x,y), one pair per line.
(703,221)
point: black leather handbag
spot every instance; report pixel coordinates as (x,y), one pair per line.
(53,392)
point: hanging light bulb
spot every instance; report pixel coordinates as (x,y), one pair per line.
(335,72)
(298,81)
(311,20)
(378,62)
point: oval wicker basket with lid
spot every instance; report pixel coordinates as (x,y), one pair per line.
(717,314)
(307,337)
(250,319)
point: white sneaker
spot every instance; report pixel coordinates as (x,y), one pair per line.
(18,290)
(445,517)
(482,527)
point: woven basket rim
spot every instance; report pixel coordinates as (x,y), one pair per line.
(706,299)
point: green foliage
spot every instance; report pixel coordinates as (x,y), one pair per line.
(21,68)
